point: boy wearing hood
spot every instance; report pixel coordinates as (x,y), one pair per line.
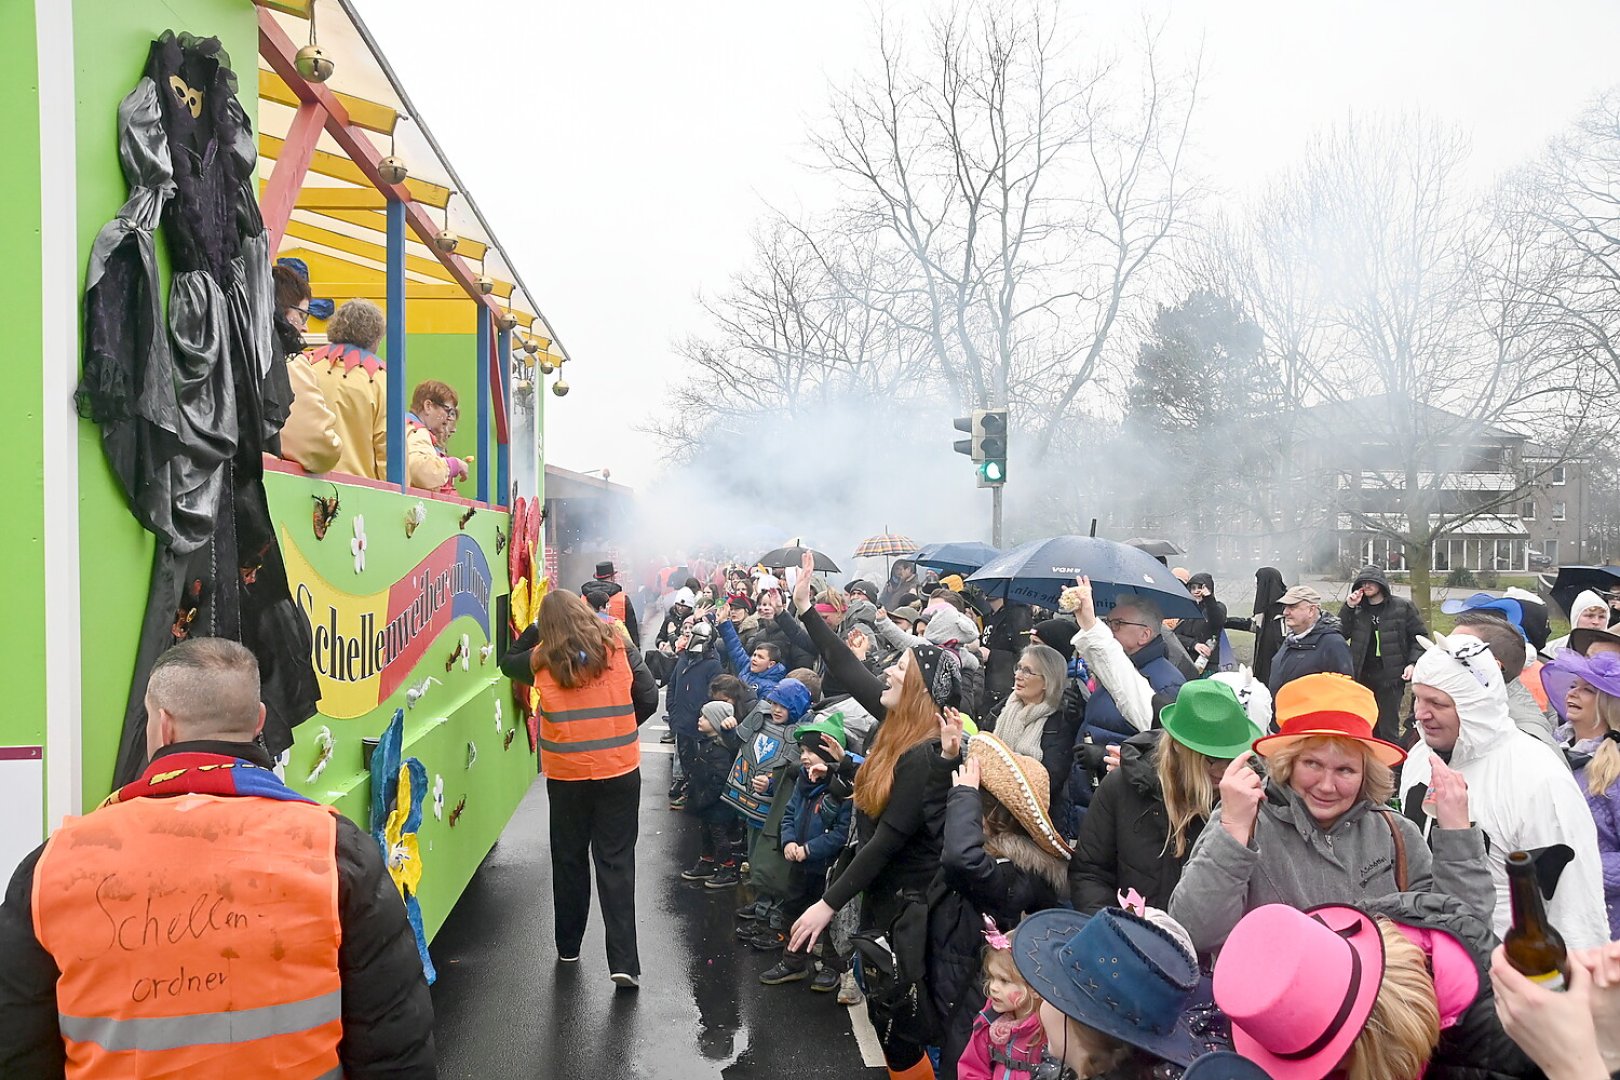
(815,828)
(1519,793)
(1383,630)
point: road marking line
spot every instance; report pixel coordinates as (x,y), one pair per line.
(657,748)
(866,1036)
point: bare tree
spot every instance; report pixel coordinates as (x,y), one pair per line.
(1027,200)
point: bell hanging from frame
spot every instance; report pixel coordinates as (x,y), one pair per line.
(446,241)
(392,170)
(313,64)
(560,388)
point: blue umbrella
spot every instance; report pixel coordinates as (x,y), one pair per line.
(955,557)
(1037,572)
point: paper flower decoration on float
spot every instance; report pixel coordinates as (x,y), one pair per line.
(324,745)
(358,544)
(414,517)
(413,694)
(466,652)
(398,789)
(438,797)
(483,653)
(498,720)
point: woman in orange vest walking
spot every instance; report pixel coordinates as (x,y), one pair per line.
(594,695)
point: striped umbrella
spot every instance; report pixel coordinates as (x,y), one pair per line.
(888,545)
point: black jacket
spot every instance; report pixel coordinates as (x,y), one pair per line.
(1006,633)
(1397,625)
(1322,648)
(610,588)
(796,652)
(1268,591)
(387,1010)
(1005,877)
(1194,632)
(1475,1047)
(1122,836)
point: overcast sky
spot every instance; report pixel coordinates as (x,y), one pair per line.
(623,152)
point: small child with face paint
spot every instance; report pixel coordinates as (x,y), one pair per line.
(1008,1041)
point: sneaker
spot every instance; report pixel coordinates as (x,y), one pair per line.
(678,802)
(848,992)
(746,931)
(702,870)
(781,973)
(723,878)
(561,959)
(667,737)
(768,938)
(625,981)
(750,912)
(826,981)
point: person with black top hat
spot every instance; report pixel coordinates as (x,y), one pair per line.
(618,605)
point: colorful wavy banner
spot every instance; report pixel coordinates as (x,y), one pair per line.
(366,645)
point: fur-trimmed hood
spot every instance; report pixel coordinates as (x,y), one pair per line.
(1030,857)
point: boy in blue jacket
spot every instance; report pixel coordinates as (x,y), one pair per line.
(762,669)
(814,831)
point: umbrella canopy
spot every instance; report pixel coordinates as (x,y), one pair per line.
(886,544)
(1156,548)
(1573,579)
(1037,572)
(791,556)
(955,557)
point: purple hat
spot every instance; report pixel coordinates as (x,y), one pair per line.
(1602,672)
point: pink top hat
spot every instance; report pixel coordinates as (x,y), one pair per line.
(1298,987)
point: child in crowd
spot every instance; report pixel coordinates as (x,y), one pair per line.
(695,665)
(765,766)
(815,828)
(1008,1040)
(720,829)
(762,668)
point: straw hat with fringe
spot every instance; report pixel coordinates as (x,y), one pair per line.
(1020,784)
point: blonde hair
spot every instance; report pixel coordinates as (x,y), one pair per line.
(1188,792)
(1377,779)
(999,963)
(1604,768)
(1404,1025)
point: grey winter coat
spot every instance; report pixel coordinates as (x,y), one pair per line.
(1289,860)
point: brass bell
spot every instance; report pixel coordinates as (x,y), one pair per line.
(531,347)
(546,366)
(313,64)
(392,170)
(486,285)
(446,241)
(560,388)
(506,321)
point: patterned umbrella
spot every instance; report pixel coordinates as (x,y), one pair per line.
(889,545)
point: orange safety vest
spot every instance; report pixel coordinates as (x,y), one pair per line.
(618,606)
(1531,678)
(197,935)
(589,732)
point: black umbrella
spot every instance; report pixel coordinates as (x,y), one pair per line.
(792,556)
(1037,572)
(958,557)
(1156,548)
(1572,580)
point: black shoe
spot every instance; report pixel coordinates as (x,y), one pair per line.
(826,980)
(746,931)
(750,912)
(768,938)
(723,878)
(702,870)
(781,973)
(667,737)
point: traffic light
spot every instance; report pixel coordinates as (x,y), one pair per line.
(965,446)
(990,446)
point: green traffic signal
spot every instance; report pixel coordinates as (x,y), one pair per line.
(992,473)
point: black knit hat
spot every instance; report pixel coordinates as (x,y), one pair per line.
(941,672)
(1059,634)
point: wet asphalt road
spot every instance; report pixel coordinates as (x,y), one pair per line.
(505,1008)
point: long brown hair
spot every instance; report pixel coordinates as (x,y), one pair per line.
(913,719)
(575,645)
(1188,792)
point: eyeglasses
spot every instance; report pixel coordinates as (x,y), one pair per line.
(1115,624)
(299,313)
(1030,672)
(450,410)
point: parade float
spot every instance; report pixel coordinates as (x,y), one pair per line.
(166,152)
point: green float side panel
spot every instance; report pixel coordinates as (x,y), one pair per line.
(22,722)
(110,43)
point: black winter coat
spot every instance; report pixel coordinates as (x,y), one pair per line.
(1194,632)
(1322,648)
(1122,837)
(387,1009)
(1005,877)
(1006,634)
(1475,1047)
(1397,624)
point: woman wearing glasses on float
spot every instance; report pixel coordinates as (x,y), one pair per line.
(432,420)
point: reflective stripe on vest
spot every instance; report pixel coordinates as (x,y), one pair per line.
(195,935)
(589,732)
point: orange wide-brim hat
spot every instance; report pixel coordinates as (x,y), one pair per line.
(1332,705)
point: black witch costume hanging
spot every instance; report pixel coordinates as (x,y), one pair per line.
(187,406)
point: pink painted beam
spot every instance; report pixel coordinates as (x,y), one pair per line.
(281,190)
(279,52)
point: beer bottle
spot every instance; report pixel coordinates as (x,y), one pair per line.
(1531,944)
